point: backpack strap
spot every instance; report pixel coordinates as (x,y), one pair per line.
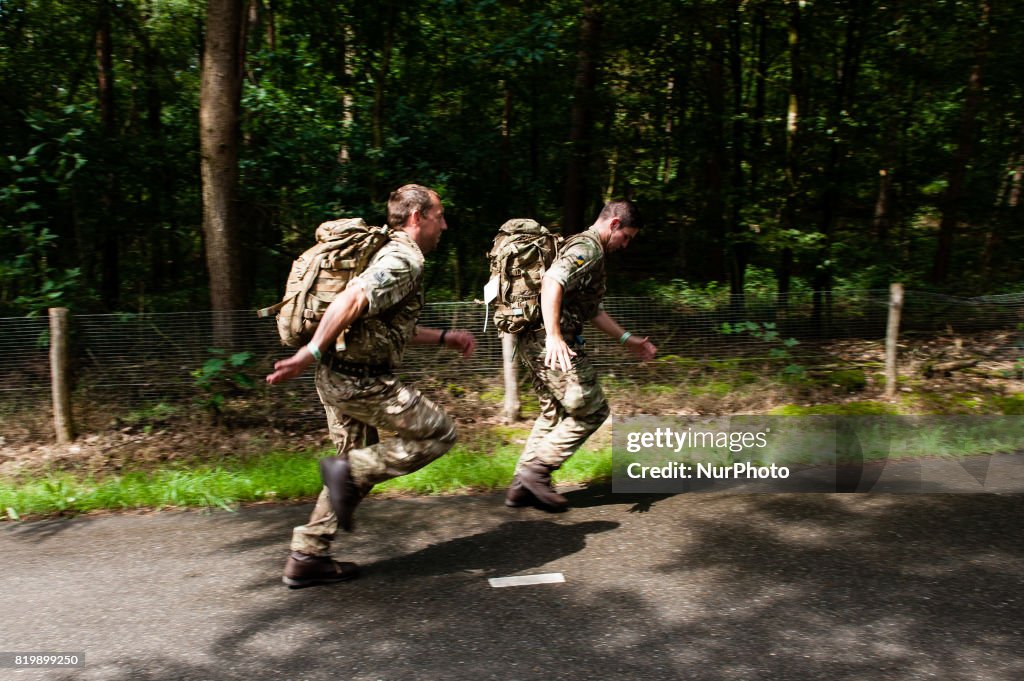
(273,309)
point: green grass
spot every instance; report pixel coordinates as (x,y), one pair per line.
(904,436)
(268,477)
(484,463)
(275,476)
(865,408)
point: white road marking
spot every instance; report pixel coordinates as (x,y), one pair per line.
(523,580)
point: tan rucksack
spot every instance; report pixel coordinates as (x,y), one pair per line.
(343,250)
(522,251)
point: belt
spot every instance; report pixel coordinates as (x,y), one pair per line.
(358,370)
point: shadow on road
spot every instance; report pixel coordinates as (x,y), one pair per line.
(714,587)
(601,494)
(513,547)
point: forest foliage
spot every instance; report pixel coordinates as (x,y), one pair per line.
(777,144)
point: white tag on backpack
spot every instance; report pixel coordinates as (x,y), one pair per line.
(490,294)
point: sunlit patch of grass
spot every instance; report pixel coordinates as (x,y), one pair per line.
(866,408)
(272,476)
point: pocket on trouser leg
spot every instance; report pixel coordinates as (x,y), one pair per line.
(580,392)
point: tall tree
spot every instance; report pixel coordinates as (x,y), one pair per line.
(581,129)
(713,205)
(794,109)
(110,244)
(380,84)
(737,246)
(219,107)
(839,112)
(952,200)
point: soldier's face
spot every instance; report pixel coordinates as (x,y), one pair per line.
(432,224)
(621,237)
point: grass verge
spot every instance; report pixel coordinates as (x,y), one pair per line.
(276,476)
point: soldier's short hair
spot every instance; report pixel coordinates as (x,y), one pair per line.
(407,199)
(625,210)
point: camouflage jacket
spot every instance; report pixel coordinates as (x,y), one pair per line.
(579,268)
(393,285)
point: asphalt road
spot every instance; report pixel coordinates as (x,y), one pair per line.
(691,586)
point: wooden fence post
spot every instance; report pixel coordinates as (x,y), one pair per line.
(892,333)
(61,386)
(508,362)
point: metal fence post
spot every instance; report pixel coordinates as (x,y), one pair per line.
(61,386)
(892,332)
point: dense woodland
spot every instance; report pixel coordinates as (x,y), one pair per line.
(163,155)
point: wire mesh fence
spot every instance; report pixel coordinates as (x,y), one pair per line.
(129,367)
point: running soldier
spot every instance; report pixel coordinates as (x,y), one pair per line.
(572,404)
(377,314)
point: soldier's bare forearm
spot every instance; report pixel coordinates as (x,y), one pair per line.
(340,314)
(606,325)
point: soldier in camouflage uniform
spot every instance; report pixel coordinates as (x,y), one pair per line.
(571,401)
(377,314)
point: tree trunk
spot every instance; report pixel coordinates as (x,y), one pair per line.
(760,90)
(881,220)
(379,88)
(1016,180)
(792,169)
(582,119)
(346,53)
(254,17)
(680,100)
(159,247)
(109,237)
(842,101)
(953,197)
(665,167)
(1006,202)
(505,173)
(712,214)
(737,246)
(270,27)
(536,76)
(219,107)
(511,409)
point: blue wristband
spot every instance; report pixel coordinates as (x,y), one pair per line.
(314,350)
(624,337)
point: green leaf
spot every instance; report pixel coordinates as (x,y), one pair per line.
(239,358)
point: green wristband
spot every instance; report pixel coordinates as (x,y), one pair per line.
(624,337)
(314,350)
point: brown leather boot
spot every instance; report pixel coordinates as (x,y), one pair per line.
(304,570)
(536,479)
(342,489)
(518,496)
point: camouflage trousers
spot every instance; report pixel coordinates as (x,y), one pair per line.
(572,404)
(356,408)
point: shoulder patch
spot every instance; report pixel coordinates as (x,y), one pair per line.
(579,260)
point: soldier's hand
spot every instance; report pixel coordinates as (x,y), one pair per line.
(642,348)
(557,352)
(291,367)
(462,341)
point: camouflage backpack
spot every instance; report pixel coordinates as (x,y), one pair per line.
(343,250)
(522,251)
